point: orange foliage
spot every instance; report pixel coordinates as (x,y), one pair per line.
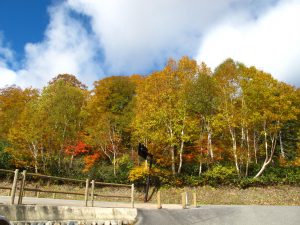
(90,161)
(78,149)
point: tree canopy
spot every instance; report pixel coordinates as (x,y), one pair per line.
(192,119)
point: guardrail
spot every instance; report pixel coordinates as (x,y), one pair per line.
(89,190)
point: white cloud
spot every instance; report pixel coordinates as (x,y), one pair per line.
(137,35)
(271,42)
(134,36)
(67,48)
(7,76)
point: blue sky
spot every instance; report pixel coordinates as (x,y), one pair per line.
(93,39)
(23,21)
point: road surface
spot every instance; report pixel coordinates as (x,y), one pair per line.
(222,215)
(172,214)
(51,201)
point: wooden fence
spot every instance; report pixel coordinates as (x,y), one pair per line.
(12,189)
(89,191)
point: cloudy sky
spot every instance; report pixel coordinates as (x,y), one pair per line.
(96,38)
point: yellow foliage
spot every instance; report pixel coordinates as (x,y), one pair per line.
(138,173)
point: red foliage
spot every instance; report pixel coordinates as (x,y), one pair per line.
(189,157)
(79,149)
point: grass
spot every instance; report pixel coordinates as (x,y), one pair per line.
(272,195)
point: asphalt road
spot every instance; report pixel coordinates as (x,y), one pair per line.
(204,215)
(222,215)
(51,201)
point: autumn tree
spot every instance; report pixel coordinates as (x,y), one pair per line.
(109,113)
(202,103)
(272,105)
(162,111)
(26,138)
(13,100)
(61,103)
(229,110)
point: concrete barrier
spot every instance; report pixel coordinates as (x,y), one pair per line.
(37,214)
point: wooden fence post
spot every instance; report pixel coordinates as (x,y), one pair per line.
(158,200)
(86,194)
(14,187)
(92,194)
(132,195)
(22,192)
(183,200)
(36,192)
(195,199)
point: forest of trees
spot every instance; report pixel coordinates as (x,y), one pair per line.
(234,124)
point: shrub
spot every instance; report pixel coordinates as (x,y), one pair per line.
(193,180)
(5,157)
(220,175)
(273,176)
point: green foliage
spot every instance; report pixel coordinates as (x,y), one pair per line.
(194,180)
(274,175)
(5,157)
(220,175)
(104,171)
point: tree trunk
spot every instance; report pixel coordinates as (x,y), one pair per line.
(209,144)
(242,137)
(35,156)
(268,158)
(248,153)
(255,146)
(114,148)
(209,141)
(281,146)
(43,159)
(173,160)
(200,168)
(172,150)
(180,153)
(71,162)
(114,163)
(234,148)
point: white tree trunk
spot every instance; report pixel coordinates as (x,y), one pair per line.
(255,147)
(268,158)
(35,152)
(71,162)
(114,147)
(248,153)
(234,148)
(200,168)
(173,160)
(114,164)
(209,144)
(181,152)
(281,146)
(172,149)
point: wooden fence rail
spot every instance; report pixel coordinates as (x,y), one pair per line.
(54,178)
(13,188)
(88,192)
(7,171)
